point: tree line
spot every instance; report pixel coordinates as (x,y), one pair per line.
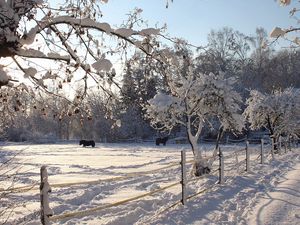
(120,114)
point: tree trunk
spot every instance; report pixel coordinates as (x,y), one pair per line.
(215,153)
(275,146)
(274,138)
(201,166)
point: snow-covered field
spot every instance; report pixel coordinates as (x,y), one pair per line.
(137,167)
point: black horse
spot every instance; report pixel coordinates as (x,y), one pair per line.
(87,143)
(162,140)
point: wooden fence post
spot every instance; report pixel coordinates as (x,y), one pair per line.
(46,211)
(183,177)
(221,167)
(262,151)
(247,157)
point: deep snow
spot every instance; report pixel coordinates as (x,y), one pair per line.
(240,200)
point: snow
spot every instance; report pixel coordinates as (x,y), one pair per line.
(243,198)
(30,72)
(46,22)
(296,40)
(118,123)
(277,32)
(193,100)
(281,204)
(54,55)
(161,100)
(3,76)
(32,53)
(149,31)
(102,65)
(125,32)
(281,108)
(29,37)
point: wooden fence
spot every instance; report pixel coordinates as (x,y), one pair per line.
(45,188)
(183,182)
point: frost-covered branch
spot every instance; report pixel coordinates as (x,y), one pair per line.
(278,32)
(72,29)
(32,53)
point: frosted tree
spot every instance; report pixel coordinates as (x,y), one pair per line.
(14,104)
(278,112)
(291,32)
(61,44)
(193,99)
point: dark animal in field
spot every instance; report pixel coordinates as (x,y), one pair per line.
(85,143)
(162,140)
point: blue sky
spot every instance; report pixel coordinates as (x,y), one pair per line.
(194,19)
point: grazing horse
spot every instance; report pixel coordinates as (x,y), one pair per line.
(87,143)
(162,140)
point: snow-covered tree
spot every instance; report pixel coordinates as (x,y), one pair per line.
(193,99)
(65,42)
(278,112)
(14,104)
(291,32)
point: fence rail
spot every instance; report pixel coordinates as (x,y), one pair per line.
(35,185)
(183,184)
(47,213)
(88,211)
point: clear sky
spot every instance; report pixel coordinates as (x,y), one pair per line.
(194,19)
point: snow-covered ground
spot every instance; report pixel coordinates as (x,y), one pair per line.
(245,198)
(280,205)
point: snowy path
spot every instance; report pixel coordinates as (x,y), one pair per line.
(280,205)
